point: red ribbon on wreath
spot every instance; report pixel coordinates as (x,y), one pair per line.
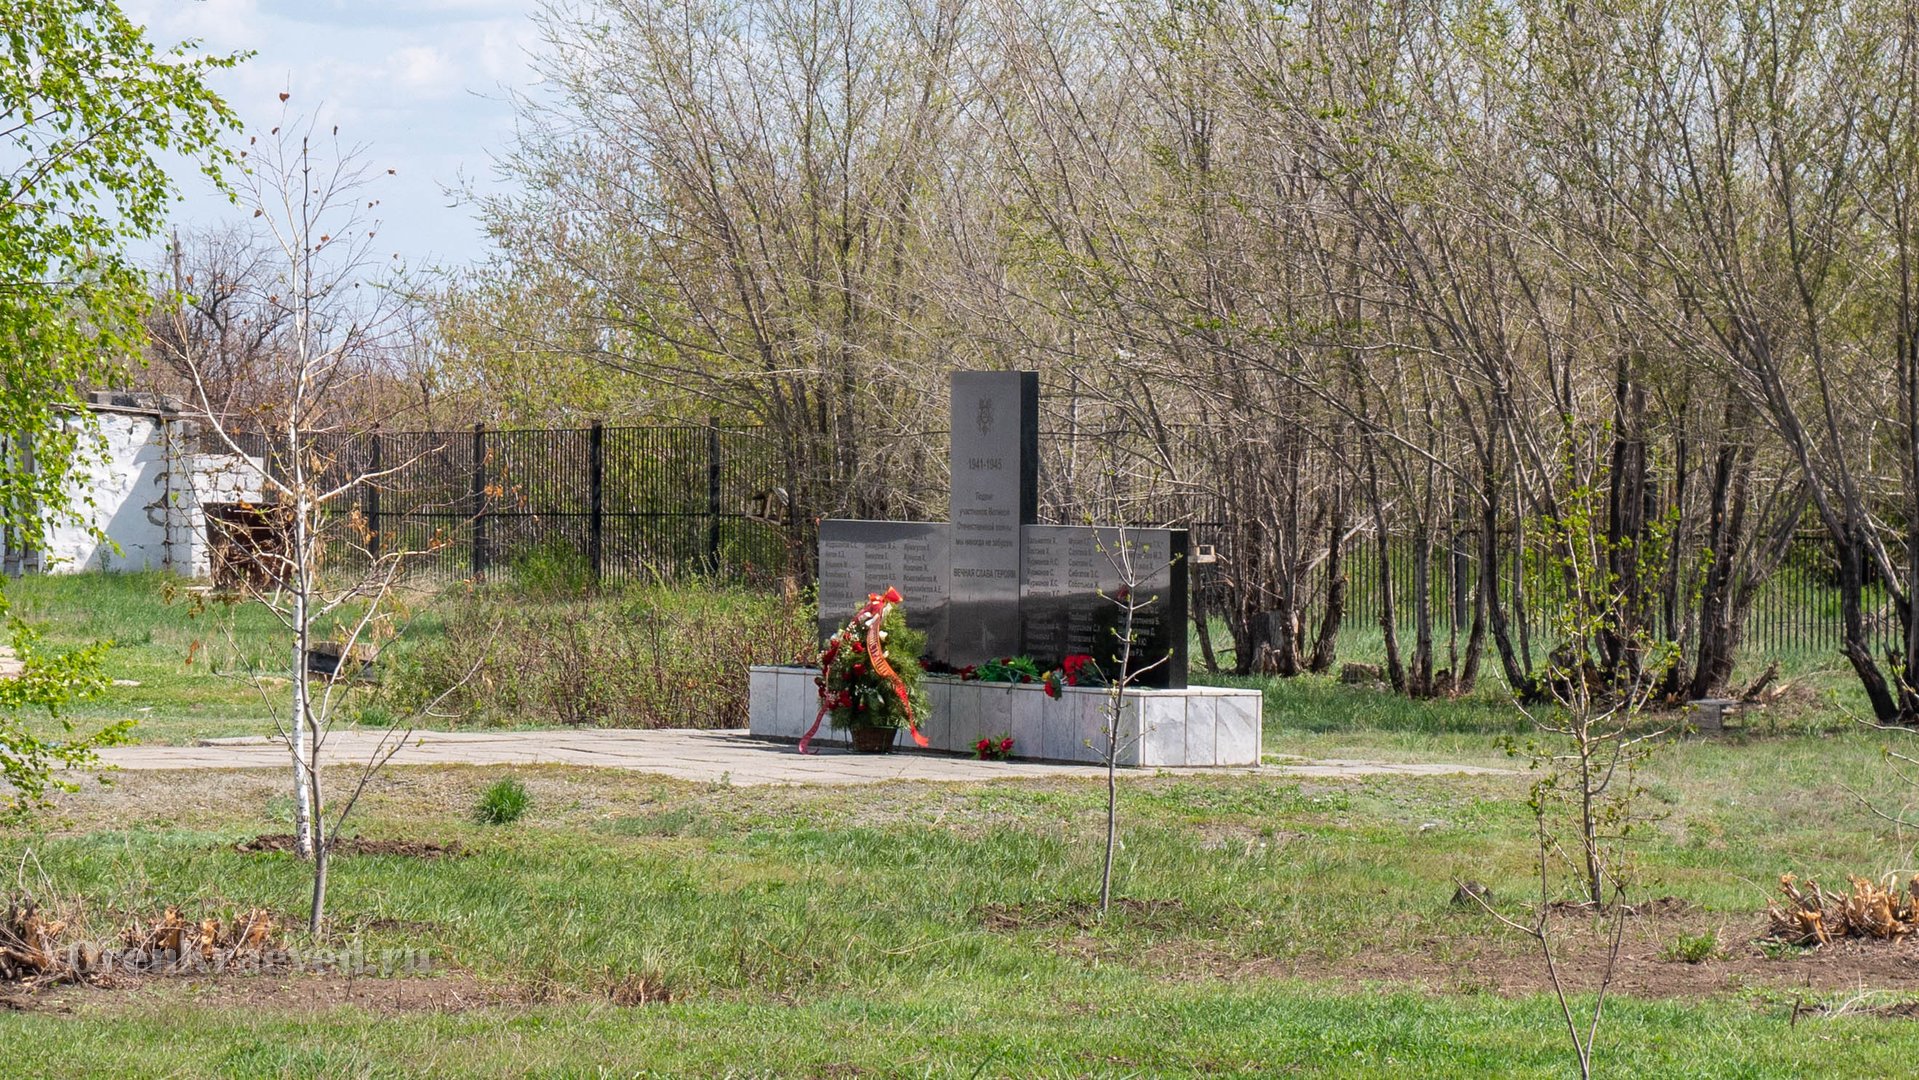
(868,618)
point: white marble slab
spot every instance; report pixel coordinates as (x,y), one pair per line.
(1199,727)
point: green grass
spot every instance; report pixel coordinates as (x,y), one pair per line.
(189,655)
(1105,1026)
(184,652)
(1286,926)
(502,803)
(632,655)
(801,930)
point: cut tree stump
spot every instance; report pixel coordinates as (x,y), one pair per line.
(1709,714)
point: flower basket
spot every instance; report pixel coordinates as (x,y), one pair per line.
(869,681)
(874,740)
(994,747)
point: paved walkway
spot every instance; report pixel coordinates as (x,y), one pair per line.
(686,755)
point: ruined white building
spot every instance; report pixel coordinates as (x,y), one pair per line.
(142,503)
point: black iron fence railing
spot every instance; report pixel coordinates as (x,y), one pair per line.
(1795,611)
(669,502)
(619,503)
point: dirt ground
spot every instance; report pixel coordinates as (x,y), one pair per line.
(1475,956)
(287,843)
(298,992)
(1507,963)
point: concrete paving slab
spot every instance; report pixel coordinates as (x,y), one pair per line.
(700,756)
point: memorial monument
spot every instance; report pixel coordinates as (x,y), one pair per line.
(992,582)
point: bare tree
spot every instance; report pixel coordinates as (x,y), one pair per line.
(1371,289)
(311,560)
(213,308)
(729,195)
(1123,553)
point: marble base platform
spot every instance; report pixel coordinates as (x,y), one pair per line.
(1204,726)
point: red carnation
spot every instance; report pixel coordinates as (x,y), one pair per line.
(892,595)
(1006,745)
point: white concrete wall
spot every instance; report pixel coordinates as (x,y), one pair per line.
(1202,726)
(140,504)
(200,480)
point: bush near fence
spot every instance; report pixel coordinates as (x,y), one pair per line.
(633,657)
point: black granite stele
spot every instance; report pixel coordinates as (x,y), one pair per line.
(993,582)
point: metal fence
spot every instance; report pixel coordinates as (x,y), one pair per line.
(1795,611)
(619,503)
(667,502)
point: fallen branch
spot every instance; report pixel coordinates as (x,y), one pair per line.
(1812,916)
(35,952)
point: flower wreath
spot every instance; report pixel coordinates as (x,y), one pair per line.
(857,680)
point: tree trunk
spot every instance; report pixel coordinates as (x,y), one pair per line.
(299,733)
(1856,644)
(1420,678)
(1326,642)
(1523,684)
(322,859)
(1720,617)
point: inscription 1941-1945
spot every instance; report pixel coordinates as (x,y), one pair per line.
(993,582)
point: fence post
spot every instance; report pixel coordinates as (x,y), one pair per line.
(479,500)
(373,498)
(596,502)
(712,495)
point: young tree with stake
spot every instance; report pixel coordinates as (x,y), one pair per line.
(1123,554)
(306,440)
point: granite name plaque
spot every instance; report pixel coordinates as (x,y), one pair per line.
(1072,588)
(995,459)
(858,558)
(993,583)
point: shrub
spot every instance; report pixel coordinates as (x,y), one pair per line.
(502,802)
(552,568)
(642,657)
(1693,948)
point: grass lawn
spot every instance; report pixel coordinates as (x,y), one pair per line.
(188,655)
(1267,925)
(915,929)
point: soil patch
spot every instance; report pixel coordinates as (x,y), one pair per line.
(1508,964)
(1665,906)
(1903,1010)
(447,992)
(1477,955)
(287,843)
(1084,914)
(639,990)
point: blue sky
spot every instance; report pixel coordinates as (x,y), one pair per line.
(422,85)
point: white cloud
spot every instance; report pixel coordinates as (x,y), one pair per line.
(424,68)
(419,83)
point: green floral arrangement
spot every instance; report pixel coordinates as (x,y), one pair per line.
(1005,669)
(870,671)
